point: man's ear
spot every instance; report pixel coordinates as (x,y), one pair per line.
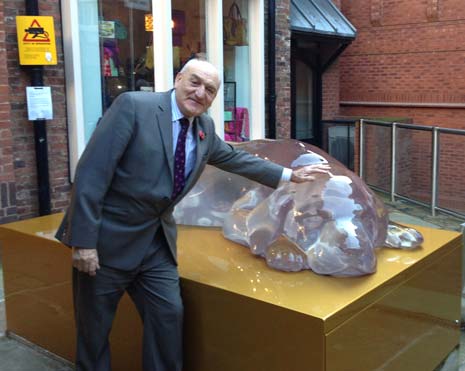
(178,77)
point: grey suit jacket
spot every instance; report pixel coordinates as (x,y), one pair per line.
(124,179)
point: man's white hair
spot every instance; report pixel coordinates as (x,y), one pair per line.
(196,60)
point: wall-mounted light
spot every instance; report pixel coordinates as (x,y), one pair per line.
(149,22)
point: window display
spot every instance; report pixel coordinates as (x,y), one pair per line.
(236,56)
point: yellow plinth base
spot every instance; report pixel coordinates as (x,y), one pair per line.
(241,315)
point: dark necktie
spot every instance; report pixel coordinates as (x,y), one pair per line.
(180,159)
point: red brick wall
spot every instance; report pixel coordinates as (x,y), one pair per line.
(7,177)
(410,52)
(331,92)
(18,170)
(407,58)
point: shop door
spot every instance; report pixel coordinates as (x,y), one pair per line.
(303,101)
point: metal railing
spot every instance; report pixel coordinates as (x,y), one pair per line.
(436,131)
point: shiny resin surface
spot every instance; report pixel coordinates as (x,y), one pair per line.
(333,223)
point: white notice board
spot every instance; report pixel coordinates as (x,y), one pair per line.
(39,103)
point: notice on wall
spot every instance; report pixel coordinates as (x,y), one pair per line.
(39,103)
(36,40)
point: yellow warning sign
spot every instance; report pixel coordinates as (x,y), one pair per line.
(36,40)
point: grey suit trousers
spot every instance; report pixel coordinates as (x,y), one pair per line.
(154,288)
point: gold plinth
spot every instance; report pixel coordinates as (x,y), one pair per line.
(241,315)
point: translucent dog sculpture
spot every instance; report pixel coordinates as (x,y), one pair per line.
(330,225)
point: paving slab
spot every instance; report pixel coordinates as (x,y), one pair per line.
(16,356)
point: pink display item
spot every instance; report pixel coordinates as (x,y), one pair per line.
(331,225)
(238,129)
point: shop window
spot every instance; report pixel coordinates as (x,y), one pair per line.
(236,61)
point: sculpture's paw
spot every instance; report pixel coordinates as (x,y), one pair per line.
(400,237)
(286,258)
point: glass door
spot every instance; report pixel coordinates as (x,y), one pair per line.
(303,102)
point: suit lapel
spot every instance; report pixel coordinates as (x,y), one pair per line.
(163,124)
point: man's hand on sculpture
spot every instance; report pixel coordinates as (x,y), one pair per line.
(304,174)
(86,260)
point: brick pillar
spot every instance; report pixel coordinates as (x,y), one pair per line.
(331,92)
(283,70)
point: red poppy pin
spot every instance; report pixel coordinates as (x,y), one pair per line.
(201,135)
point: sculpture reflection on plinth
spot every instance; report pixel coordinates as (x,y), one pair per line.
(331,225)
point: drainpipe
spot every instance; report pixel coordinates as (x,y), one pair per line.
(40,132)
(271,69)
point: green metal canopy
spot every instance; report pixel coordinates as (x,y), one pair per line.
(320,17)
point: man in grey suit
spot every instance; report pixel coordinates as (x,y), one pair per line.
(147,152)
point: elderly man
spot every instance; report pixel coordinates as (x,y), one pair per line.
(146,153)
